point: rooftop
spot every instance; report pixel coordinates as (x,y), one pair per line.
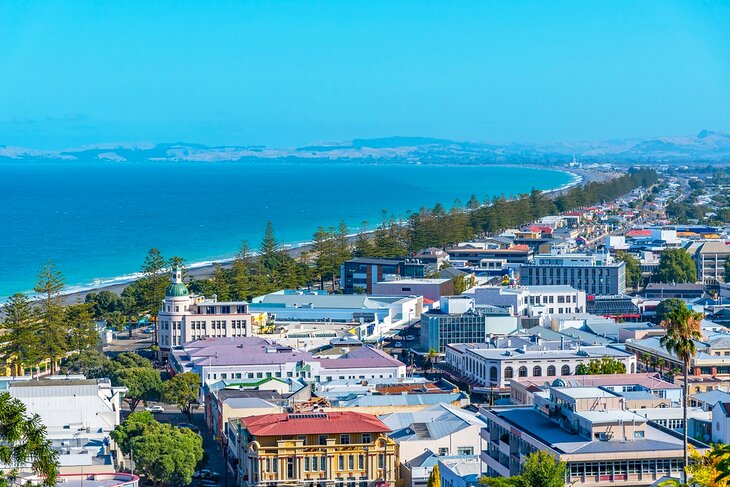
(313,423)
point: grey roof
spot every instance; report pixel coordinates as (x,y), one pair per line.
(331,301)
(371,400)
(637,395)
(712,397)
(248,402)
(435,422)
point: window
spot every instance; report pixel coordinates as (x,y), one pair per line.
(522,372)
(322,439)
(551,371)
(565,370)
(443,452)
(290,467)
(351,462)
(344,439)
(508,373)
(638,434)
(306,464)
(367,438)
(465,450)
(341,462)
(381,460)
(493,374)
(536,371)
(361,462)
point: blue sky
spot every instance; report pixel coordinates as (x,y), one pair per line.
(290,73)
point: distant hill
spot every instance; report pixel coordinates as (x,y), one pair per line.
(706,146)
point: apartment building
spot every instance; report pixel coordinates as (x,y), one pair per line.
(184,317)
(532,300)
(333,449)
(591,430)
(595,274)
(710,257)
(359,274)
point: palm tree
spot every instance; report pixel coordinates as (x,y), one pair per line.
(431,357)
(683,328)
(646,357)
(661,362)
(23,442)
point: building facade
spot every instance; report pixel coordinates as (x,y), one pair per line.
(184,317)
(334,449)
(593,274)
(359,274)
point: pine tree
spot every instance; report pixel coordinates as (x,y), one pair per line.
(52,332)
(269,249)
(20,345)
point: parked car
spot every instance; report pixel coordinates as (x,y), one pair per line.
(155,409)
(410,338)
(206,474)
(189,426)
(398,344)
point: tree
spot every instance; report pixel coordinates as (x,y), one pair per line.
(434,480)
(52,332)
(142,383)
(726,269)
(182,391)
(539,470)
(605,366)
(683,328)
(633,268)
(675,265)
(646,357)
(91,364)
(166,454)
(82,332)
(666,306)
(23,441)
(269,249)
(151,286)
(20,340)
(431,357)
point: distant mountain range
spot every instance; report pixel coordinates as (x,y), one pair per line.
(707,146)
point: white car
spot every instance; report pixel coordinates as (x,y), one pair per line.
(155,409)
(398,345)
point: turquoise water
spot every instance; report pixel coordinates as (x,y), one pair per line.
(96,221)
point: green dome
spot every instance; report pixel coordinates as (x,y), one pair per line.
(176,289)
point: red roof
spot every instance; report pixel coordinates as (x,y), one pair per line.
(638,233)
(285,424)
(541,229)
(428,301)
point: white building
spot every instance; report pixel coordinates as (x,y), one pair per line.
(184,317)
(442,428)
(79,414)
(494,364)
(532,300)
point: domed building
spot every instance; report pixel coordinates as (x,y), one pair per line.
(185,317)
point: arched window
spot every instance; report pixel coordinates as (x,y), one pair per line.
(551,371)
(508,373)
(493,374)
(633,368)
(536,371)
(522,372)
(565,370)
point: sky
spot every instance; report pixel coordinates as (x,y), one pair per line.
(287,74)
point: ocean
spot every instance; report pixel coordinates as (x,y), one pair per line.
(96,220)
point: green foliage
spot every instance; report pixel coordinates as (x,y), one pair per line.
(269,249)
(82,332)
(52,332)
(23,441)
(539,470)
(20,346)
(633,268)
(163,453)
(675,265)
(149,290)
(606,365)
(434,480)
(142,383)
(665,307)
(182,391)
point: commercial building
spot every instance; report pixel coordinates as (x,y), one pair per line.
(663,290)
(184,317)
(313,448)
(594,274)
(458,320)
(710,257)
(494,363)
(116,479)
(591,430)
(253,358)
(359,274)
(532,300)
(79,415)
(431,289)
(474,254)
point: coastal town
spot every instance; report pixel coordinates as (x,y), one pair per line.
(582,335)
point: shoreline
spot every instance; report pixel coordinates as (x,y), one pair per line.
(202,269)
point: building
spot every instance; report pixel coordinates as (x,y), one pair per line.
(359,274)
(461,471)
(591,430)
(619,308)
(495,363)
(710,257)
(721,422)
(474,255)
(532,300)
(369,316)
(441,428)
(184,317)
(115,479)
(663,290)
(594,274)
(79,415)
(253,358)
(458,320)
(431,289)
(313,448)
(523,390)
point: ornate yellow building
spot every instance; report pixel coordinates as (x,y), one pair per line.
(315,449)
